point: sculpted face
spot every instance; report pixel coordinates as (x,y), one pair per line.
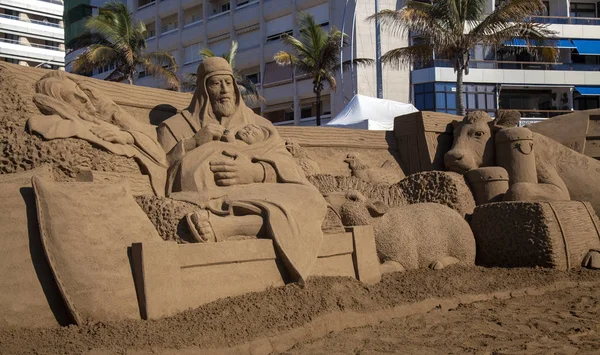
(473,146)
(251,134)
(74,96)
(221,92)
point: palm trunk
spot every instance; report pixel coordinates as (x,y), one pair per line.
(130,78)
(460,102)
(318,107)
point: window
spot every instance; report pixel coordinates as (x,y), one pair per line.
(305,112)
(106,68)
(191,53)
(11,60)
(241,3)
(168,26)
(151,30)
(441,97)
(254,77)
(277,36)
(225,6)
(579,9)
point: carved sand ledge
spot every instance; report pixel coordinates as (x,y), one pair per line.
(339,321)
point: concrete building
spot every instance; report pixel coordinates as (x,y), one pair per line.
(183,27)
(31,33)
(539,90)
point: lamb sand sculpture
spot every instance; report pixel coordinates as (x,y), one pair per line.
(412,236)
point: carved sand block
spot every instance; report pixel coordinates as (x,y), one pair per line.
(172,277)
(489,184)
(86,230)
(557,234)
(138,184)
(29,296)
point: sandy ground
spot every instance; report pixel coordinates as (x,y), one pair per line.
(488,326)
(563,322)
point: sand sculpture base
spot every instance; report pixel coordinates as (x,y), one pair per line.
(172,277)
(554,234)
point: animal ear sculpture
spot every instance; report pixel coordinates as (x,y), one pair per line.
(455,124)
(377,208)
(506,119)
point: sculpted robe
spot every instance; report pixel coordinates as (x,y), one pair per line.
(292,209)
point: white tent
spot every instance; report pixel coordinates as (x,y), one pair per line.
(367,112)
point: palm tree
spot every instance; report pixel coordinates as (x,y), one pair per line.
(317,55)
(247,88)
(451,28)
(114,36)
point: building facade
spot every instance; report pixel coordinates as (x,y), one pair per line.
(499,80)
(183,27)
(31,33)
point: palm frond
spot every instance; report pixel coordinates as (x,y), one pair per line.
(419,54)
(207,53)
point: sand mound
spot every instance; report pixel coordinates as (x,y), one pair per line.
(167,216)
(235,320)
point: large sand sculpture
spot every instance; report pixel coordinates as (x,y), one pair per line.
(120,209)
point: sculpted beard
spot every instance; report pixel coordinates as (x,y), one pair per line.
(226,108)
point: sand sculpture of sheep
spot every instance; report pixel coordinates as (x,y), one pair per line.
(412,236)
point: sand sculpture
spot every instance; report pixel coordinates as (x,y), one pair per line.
(412,236)
(225,204)
(538,167)
(507,163)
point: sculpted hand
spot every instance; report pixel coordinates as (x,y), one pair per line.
(112,134)
(237,171)
(209,133)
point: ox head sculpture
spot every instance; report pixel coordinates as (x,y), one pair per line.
(473,145)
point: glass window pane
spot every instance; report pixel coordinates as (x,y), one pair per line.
(452,112)
(491,102)
(440,100)
(429,87)
(418,88)
(420,101)
(451,100)
(480,88)
(481,101)
(429,101)
(440,87)
(471,104)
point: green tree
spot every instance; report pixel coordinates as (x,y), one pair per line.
(247,88)
(114,36)
(451,28)
(317,55)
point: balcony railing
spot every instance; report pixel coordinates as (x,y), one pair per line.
(541,114)
(38,22)
(566,20)
(496,64)
(14,41)
(58,2)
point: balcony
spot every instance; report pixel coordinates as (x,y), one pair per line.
(276,8)
(560,20)
(54,8)
(32,28)
(218,24)
(246,15)
(146,12)
(515,65)
(39,52)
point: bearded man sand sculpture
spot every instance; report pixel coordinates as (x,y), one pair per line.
(244,189)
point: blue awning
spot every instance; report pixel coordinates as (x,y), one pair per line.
(587,46)
(588,90)
(559,43)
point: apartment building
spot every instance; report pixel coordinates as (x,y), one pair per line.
(183,27)
(31,33)
(540,90)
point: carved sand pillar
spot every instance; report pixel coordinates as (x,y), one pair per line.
(488,184)
(515,153)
